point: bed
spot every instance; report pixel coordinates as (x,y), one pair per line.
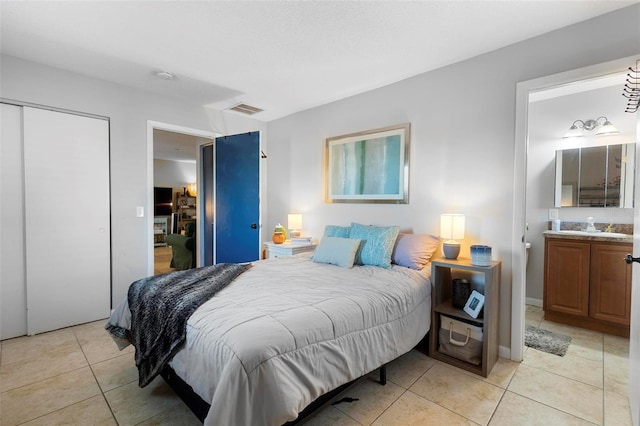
(289,330)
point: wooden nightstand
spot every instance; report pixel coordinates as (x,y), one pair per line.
(287,249)
(442,271)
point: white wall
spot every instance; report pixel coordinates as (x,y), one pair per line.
(462,141)
(128,110)
(167,173)
(548,121)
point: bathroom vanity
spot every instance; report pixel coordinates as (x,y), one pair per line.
(587,282)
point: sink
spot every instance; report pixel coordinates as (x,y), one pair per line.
(595,234)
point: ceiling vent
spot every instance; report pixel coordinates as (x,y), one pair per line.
(246,109)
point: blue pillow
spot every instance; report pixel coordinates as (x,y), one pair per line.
(376,244)
(336,251)
(337,231)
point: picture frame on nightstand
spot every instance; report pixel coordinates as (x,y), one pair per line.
(474,304)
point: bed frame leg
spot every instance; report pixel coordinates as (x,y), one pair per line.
(383,375)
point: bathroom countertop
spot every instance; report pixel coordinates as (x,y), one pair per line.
(588,237)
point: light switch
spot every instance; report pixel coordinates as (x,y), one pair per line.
(553,214)
(139,211)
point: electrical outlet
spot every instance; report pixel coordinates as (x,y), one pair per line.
(139,211)
(554,214)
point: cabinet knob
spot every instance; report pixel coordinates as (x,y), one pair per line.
(630,259)
(254,226)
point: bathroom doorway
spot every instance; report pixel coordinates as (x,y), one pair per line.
(524,195)
(569,82)
(550,114)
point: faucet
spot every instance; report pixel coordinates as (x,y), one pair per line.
(610,227)
(590,225)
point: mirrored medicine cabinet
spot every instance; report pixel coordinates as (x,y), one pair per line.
(599,176)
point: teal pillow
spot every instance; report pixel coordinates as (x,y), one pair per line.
(337,231)
(376,244)
(336,251)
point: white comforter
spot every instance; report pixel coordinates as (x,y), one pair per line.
(289,330)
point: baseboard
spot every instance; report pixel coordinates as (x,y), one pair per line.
(504,352)
(533,302)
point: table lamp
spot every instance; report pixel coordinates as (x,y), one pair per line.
(294,222)
(451,230)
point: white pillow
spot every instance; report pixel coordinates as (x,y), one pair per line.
(336,251)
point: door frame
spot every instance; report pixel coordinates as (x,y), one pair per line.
(151,125)
(521,142)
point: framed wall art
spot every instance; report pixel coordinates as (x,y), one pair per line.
(368,167)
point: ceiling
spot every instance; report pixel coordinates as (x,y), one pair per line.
(280,56)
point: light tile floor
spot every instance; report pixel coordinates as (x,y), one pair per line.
(77,376)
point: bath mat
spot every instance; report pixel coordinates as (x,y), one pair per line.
(546,341)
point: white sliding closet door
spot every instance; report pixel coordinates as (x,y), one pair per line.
(13,291)
(67,229)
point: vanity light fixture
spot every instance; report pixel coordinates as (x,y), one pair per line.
(451,229)
(603,125)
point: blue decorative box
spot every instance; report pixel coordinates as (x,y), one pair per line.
(480,255)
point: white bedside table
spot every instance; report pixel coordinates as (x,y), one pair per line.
(287,249)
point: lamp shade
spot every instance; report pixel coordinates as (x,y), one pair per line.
(192,189)
(573,132)
(294,220)
(607,129)
(452,226)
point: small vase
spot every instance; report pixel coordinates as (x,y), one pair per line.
(278,237)
(280,228)
(460,291)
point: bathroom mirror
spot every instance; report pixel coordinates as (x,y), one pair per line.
(599,176)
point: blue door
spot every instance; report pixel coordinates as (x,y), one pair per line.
(237,198)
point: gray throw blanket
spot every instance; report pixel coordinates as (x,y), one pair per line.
(160,307)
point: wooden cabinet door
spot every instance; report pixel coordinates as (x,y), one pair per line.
(610,298)
(566,278)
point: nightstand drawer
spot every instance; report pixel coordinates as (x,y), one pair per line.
(287,249)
